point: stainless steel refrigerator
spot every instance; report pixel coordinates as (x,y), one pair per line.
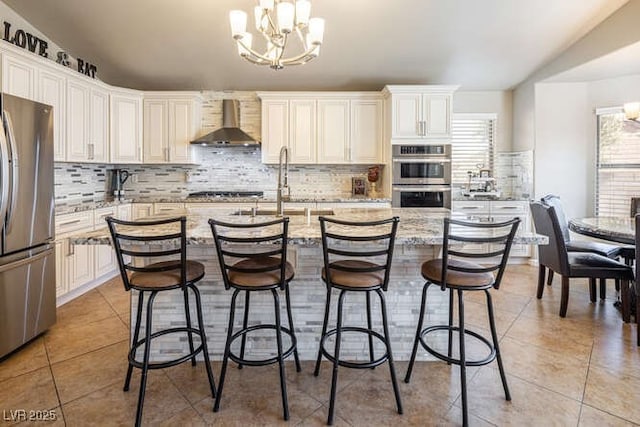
(27,257)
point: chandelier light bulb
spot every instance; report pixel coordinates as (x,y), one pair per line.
(266,4)
(245,46)
(632,110)
(303,12)
(285,13)
(316,30)
(238,20)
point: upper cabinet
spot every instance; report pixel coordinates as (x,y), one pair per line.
(420,113)
(171,122)
(52,90)
(18,76)
(322,127)
(87,120)
(126,126)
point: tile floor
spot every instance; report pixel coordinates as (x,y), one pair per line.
(583,370)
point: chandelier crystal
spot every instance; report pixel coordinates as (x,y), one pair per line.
(276,20)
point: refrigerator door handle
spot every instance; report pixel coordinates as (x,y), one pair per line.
(14,166)
(4,175)
(26,260)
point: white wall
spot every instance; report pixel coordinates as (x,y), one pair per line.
(497,102)
(564,152)
(18,22)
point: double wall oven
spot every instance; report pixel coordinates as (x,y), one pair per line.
(421,176)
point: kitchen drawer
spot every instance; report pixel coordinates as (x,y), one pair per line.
(76,221)
(510,208)
(471,207)
(167,207)
(101,213)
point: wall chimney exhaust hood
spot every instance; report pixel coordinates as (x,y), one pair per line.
(230,133)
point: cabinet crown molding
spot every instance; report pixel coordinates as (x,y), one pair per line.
(391,89)
(319,95)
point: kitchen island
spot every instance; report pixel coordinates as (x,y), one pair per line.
(418,239)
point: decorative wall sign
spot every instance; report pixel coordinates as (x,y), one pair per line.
(34,44)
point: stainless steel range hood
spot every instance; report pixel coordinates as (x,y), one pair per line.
(230,133)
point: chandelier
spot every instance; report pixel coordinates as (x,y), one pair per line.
(289,18)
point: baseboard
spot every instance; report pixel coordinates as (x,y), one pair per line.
(75,293)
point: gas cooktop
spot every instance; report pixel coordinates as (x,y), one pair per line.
(214,194)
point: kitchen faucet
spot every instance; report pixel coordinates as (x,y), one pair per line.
(283,182)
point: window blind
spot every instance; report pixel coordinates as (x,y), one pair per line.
(618,164)
(472,145)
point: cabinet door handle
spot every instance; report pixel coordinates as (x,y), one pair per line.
(509,207)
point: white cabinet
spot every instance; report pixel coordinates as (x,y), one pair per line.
(366,131)
(302,131)
(18,76)
(496,211)
(141,210)
(275,128)
(87,122)
(322,127)
(52,90)
(160,208)
(171,122)
(333,130)
(420,112)
(126,127)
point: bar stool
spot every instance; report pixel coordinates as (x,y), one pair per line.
(460,275)
(253,258)
(143,241)
(356,243)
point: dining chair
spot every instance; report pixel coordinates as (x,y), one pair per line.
(604,249)
(556,257)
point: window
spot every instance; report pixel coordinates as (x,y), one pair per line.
(617,163)
(472,145)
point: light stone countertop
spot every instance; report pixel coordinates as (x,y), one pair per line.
(79,205)
(417,226)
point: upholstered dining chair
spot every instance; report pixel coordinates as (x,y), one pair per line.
(603,249)
(556,257)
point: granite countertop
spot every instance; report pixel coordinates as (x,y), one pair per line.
(483,198)
(79,205)
(417,226)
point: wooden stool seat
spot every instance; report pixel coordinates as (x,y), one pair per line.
(169,278)
(432,271)
(260,278)
(354,279)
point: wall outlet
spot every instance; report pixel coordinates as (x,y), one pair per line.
(187,177)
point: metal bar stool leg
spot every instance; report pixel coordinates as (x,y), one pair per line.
(392,369)
(283,381)
(369,325)
(203,338)
(450,332)
(334,377)
(227,350)
(494,336)
(245,321)
(316,371)
(293,334)
(188,317)
(463,362)
(416,341)
(136,336)
(145,360)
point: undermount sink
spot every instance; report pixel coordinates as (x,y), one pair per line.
(287,212)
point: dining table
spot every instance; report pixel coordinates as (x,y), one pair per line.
(614,229)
